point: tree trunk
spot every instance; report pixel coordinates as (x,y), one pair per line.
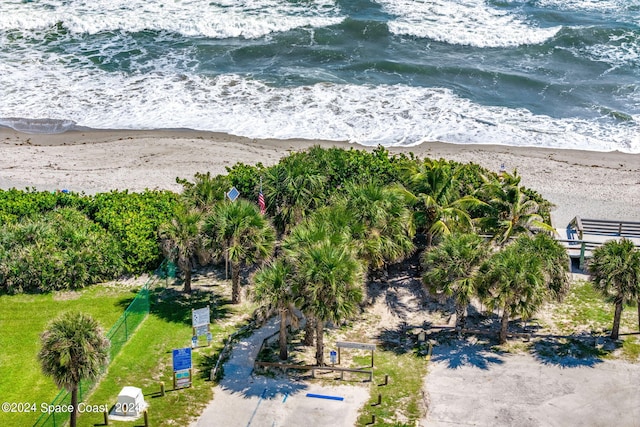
(638,302)
(616,318)
(319,342)
(235,283)
(504,325)
(460,317)
(74,404)
(187,280)
(283,335)
(309,330)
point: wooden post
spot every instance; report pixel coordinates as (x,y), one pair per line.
(582,250)
(146,418)
(162,389)
(386,379)
(372,358)
(338,355)
(105,415)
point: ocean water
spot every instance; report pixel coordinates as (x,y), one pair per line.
(548,73)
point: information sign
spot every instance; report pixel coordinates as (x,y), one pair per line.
(200,317)
(233,194)
(183,378)
(181,359)
(201,330)
(358,345)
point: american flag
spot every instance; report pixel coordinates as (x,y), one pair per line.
(263,206)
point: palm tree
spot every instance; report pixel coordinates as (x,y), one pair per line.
(73,349)
(452,267)
(332,284)
(205,191)
(328,224)
(615,272)
(239,234)
(554,258)
(516,212)
(513,281)
(292,191)
(180,240)
(380,222)
(274,287)
(441,207)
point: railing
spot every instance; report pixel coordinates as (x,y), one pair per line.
(118,335)
(605,227)
(580,249)
(314,368)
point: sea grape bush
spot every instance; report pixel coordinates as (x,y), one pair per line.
(51,241)
(63,249)
(133,219)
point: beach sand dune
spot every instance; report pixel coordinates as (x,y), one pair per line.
(585,183)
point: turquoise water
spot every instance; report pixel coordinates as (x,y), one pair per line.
(551,73)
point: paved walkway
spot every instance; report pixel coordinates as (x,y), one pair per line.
(244,399)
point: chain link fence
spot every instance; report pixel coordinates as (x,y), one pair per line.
(118,335)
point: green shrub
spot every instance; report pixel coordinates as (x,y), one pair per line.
(61,250)
(133,219)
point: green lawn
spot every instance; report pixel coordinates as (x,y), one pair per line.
(22,319)
(146,359)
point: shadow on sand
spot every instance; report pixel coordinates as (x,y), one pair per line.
(461,353)
(571,351)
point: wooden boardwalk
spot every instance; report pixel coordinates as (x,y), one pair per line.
(583,235)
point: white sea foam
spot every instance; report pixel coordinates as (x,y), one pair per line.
(369,115)
(590,5)
(621,51)
(470,22)
(191,18)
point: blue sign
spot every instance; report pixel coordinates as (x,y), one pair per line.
(233,194)
(181,359)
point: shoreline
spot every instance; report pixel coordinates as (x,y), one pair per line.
(590,184)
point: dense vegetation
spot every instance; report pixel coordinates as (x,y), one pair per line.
(117,232)
(51,241)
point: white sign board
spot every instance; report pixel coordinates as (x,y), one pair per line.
(358,345)
(200,317)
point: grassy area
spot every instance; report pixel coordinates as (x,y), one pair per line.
(23,318)
(585,309)
(401,397)
(146,359)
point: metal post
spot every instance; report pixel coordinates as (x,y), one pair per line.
(126,330)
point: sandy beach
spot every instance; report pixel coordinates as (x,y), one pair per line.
(585,183)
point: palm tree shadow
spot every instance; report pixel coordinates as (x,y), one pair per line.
(174,306)
(261,386)
(571,352)
(462,353)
